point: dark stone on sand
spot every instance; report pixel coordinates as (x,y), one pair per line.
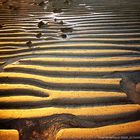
(41,24)
(66,1)
(39,35)
(42,3)
(57,10)
(29,43)
(63,35)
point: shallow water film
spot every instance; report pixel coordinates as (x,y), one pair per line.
(69,69)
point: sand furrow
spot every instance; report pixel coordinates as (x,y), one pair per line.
(69,75)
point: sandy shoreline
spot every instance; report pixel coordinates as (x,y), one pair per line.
(65,69)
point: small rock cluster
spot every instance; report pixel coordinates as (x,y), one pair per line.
(63,29)
(45,25)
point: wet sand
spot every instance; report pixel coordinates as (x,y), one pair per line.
(63,69)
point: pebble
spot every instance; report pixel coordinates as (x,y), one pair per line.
(29,43)
(41,24)
(13,7)
(66,1)
(63,35)
(57,10)
(39,35)
(41,3)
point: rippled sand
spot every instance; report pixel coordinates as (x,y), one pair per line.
(61,80)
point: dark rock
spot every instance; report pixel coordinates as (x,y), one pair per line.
(67,1)
(39,35)
(29,43)
(55,19)
(57,10)
(41,24)
(42,3)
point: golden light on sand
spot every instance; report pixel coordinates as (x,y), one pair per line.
(69,69)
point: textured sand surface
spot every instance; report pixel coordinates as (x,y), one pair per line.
(9,134)
(66,79)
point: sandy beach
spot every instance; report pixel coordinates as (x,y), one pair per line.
(69,69)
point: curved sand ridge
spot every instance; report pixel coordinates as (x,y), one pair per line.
(68,88)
